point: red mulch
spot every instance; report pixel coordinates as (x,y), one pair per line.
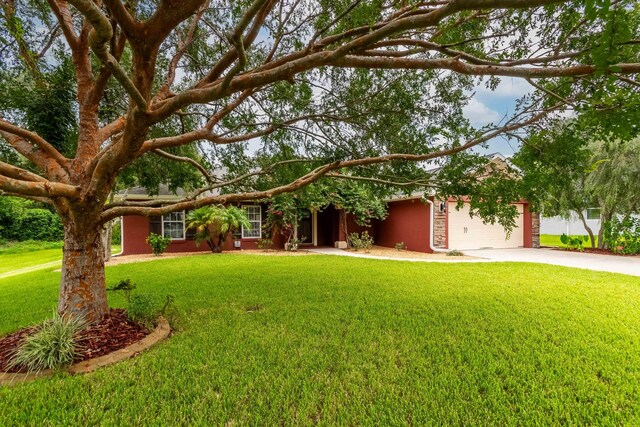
(112,333)
(597,251)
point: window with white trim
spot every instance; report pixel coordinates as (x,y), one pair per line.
(593,213)
(173,225)
(254,214)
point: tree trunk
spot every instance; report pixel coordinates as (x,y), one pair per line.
(211,245)
(83,288)
(221,242)
(604,218)
(342,222)
(601,237)
(589,230)
(108,231)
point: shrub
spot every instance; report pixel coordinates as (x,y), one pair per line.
(53,346)
(28,246)
(116,233)
(455,252)
(125,287)
(38,224)
(158,243)
(293,244)
(576,243)
(265,244)
(622,236)
(25,220)
(400,246)
(142,308)
(362,241)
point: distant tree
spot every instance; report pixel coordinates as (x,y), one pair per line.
(555,164)
(583,163)
(614,180)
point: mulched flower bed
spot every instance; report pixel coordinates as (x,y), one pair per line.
(112,333)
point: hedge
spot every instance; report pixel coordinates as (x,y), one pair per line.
(32,224)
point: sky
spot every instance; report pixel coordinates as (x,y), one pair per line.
(488,106)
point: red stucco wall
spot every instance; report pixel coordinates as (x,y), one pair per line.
(353,227)
(135,230)
(527,223)
(409,221)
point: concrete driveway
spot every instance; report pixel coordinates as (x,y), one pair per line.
(610,263)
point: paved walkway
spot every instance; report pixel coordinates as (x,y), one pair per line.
(587,261)
(608,263)
(340,252)
(30,269)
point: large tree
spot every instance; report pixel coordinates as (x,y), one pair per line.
(366,85)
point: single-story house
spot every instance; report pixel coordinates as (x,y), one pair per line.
(424,225)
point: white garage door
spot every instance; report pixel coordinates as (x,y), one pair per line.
(472,233)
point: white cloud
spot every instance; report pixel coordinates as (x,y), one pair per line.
(479,114)
(509,87)
(566,114)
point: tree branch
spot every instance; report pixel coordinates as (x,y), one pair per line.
(314,175)
(260,13)
(218,185)
(15,172)
(38,189)
(454,64)
(35,139)
(61,10)
(415,182)
(303,181)
(182,47)
(99,39)
(183,159)
(128,23)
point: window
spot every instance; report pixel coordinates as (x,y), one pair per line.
(173,225)
(254,213)
(593,213)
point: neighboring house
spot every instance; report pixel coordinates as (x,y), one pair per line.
(423,225)
(571,226)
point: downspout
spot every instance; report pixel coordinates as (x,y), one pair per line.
(432,208)
(121,239)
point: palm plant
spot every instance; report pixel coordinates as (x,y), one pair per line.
(214,223)
(206,224)
(231,219)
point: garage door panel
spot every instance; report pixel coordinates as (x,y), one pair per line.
(472,233)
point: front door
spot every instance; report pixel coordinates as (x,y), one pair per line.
(305,230)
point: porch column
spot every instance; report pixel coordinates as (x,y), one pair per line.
(314,227)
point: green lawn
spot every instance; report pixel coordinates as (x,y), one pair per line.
(23,255)
(267,340)
(10,262)
(554,240)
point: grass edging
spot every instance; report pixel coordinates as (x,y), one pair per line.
(160,333)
